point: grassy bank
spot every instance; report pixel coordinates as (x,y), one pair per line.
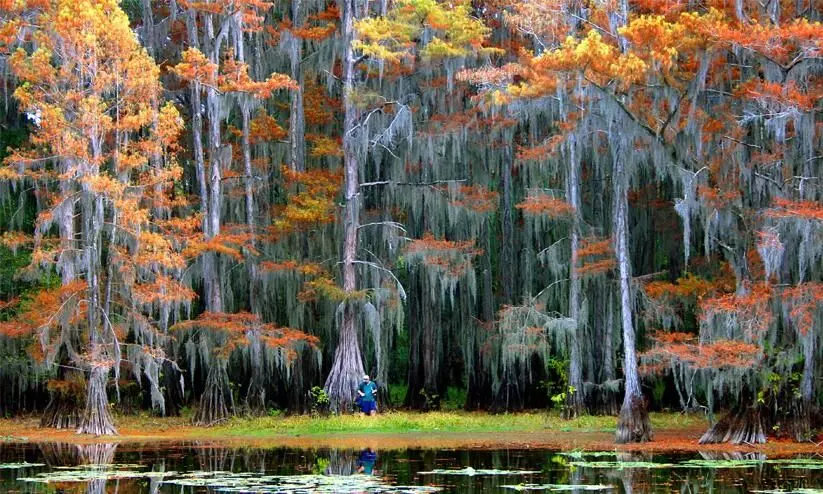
(403,422)
(403,430)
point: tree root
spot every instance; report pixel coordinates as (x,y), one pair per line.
(740,426)
(213,403)
(97,418)
(633,425)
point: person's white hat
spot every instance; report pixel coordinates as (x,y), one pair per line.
(365,377)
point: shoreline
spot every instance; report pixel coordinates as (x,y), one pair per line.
(285,432)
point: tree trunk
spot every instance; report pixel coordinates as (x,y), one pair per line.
(479,392)
(507,261)
(633,424)
(173,390)
(415,323)
(297,141)
(97,418)
(214,405)
(347,368)
(741,426)
(211,283)
(63,410)
(574,393)
(249,195)
(211,268)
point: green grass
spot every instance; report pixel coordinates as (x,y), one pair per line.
(449,421)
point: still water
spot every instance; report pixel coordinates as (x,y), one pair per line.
(202,468)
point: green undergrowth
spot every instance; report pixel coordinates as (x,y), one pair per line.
(453,421)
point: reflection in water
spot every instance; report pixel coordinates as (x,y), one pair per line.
(341,462)
(208,468)
(365,464)
(96,458)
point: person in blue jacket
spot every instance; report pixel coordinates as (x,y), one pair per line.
(367,391)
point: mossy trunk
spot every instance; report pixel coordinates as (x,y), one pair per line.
(743,425)
(575,393)
(347,369)
(216,402)
(62,412)
(173,388)
(633,424)
(65,404)
(97,417)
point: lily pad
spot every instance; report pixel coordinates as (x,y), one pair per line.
(559,487)
(722,463)
(24,464)
(254,482)
(592,454)
(620,465)
(469,471)
(89,473)
(801,490)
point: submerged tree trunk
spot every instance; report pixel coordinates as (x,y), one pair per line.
(347,368)
(97,418)
(633,424)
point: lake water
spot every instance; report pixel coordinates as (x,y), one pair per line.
(191,467)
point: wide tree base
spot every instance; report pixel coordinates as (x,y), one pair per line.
(633,425)
(796,421)
(97,417)
(740,426)
(62,412)
(574,407)
(347,369)
(213,403)
(604,398)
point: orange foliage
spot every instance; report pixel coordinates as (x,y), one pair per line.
(804,302)
(798,210)
(449,257)
(239,328)
(541,152)
(164,290)
(324,146)
(318,106)
(594,246)
(477,198)
(686,287)
(312,204)
(750,310)
(307,269)
(264,128)
(546,205)
(14,240)
(318,26)
(234,77)
(684,348)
